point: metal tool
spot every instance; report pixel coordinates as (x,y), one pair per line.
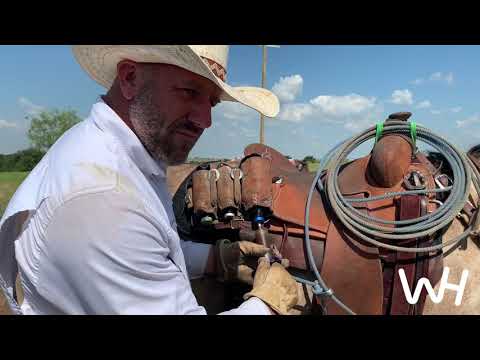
(261,237)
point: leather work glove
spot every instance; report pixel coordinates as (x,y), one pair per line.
(274,286)
(4,307)
(238,260)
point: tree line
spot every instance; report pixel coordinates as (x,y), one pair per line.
(45,129)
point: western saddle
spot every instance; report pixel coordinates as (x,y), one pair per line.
(262,198)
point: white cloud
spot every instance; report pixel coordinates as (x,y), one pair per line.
(332,105)
(29,107)
(353,112)
(359,124)
(7,124)
(435,112)
(474,119)
(248,132)
(418,81)
(456,109)
(436,76)
(236,120)
(402,97)
(295,112)
(288,88)
(439,76)
(449,78)
(331,108)
(424,104)
(243,128)
(234,111)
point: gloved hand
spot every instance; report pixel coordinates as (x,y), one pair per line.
(4,307)
(238,260)
(274,286)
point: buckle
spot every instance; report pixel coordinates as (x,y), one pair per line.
(415,180)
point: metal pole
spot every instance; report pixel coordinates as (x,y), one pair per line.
(264,71)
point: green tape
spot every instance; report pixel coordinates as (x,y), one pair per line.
(413,133)
(379,131)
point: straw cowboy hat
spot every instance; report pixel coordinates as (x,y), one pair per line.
(210,61)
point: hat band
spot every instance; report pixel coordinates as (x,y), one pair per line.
(216,68)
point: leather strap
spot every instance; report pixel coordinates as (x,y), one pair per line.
(237,189)
(213,185)
(409,209)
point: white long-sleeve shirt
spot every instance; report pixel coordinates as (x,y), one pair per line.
(100,235)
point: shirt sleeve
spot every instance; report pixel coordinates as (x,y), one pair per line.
(105,255)
(196,257)
(253,306)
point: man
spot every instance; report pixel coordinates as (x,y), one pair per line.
(92,227)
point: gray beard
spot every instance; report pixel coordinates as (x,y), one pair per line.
(149,125)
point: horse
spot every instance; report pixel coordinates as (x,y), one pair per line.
(464,256)
(382,171)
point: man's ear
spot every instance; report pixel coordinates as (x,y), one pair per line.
(129,79)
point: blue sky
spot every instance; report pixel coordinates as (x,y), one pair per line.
(327,93)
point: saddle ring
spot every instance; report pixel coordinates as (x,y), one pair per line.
(217,174)
(439,184)
(415,180)
(240,176)
(266,155)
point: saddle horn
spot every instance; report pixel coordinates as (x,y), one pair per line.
(400,116)
(391,155)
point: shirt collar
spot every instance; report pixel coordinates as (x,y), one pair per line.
(108,120)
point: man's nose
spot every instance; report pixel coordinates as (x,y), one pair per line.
(201,114)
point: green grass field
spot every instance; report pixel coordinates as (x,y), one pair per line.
(9,182)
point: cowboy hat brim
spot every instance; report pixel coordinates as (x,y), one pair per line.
(100,62)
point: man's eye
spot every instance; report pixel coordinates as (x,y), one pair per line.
(190,92)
